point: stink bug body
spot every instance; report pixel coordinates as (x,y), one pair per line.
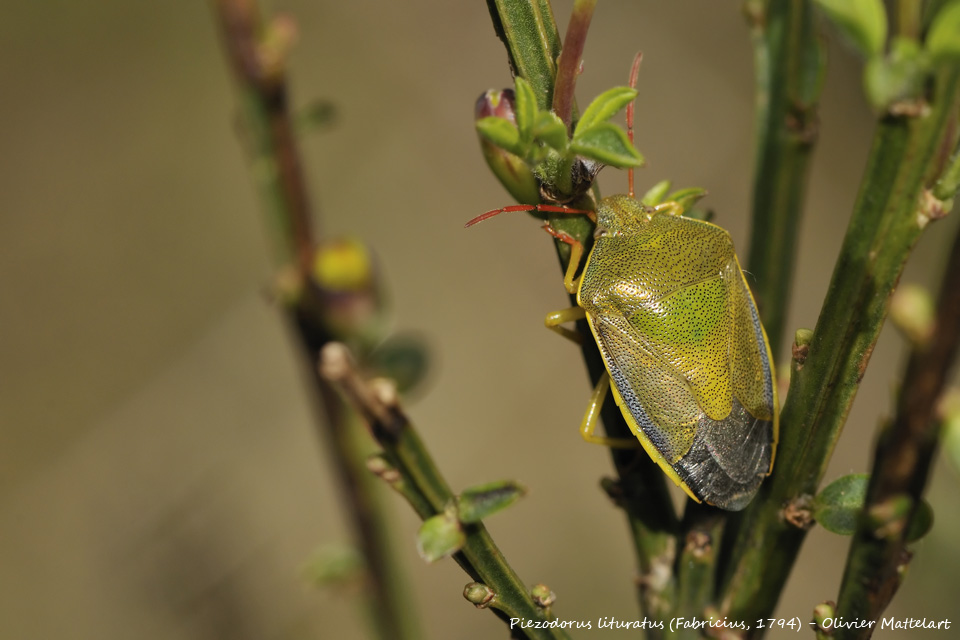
(681,339)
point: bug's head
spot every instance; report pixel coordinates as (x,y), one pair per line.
(620,212)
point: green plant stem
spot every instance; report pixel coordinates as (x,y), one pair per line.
(697,561)
(261,78)
(789,64)
(479,557)
(901,465)
(887,220)
(949,183)
(909,18)
(529,33)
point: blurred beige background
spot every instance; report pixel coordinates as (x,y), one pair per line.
(159,477)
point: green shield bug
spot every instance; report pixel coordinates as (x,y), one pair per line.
(681,339)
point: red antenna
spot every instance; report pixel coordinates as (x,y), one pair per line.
(634,71)
(542,208)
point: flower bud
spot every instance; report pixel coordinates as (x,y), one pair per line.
(344,279)
(514,174)
(912,311)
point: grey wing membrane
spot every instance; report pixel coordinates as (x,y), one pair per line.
(722,461)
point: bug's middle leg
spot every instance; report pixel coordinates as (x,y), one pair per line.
(588,426)
(555,321)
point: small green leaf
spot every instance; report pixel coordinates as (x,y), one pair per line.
(403,358)
(335,565)
(922,522)
(501,133)
(838,506)
(656,193)
(607,143)
(476,503)
(316,116)
(525,109)
(604,107)
(863,22)
(943,39)
(551,130)
(440,536)
(896,77)
(686,198)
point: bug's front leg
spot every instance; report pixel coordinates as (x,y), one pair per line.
(576,253)
(588,426)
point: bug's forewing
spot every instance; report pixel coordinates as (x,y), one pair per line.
(687,355)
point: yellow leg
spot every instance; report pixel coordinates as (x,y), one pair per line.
(589,425)
(576,253)
(555,320)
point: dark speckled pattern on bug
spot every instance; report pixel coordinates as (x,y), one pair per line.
(681,338)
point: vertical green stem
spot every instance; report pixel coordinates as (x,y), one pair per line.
(789,64)
(909,18)
(887,220)
(901,465)
(697,561)
(528,30)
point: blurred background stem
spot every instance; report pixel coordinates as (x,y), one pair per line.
(256,51)
(789,64)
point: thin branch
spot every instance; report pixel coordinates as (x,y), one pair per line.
(909,18)
(257,63)
(901,466)
(256,53)
(568,67)
(479,557)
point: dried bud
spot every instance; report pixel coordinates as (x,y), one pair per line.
(480,595)
(543,597)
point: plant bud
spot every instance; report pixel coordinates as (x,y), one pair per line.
(344,278)
(514,174)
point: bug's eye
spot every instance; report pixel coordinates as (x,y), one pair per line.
(600,232)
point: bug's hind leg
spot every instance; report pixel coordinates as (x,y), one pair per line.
(589,425)
(554,321)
